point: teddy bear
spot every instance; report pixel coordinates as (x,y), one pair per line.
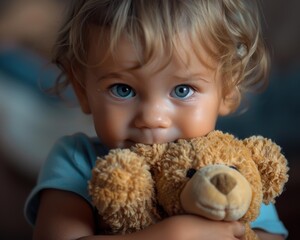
(217,176)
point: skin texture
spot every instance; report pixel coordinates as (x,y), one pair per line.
(149,109)
(152,111)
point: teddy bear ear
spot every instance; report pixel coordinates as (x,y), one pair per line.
(271,164)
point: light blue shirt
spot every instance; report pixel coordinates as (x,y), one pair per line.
(68,168)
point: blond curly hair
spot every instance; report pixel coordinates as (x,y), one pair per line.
(231,27)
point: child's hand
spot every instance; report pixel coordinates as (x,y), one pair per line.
(187,227)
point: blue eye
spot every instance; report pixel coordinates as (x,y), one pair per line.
(182,91)
(122,91)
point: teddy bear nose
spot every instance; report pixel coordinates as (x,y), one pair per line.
(223,182)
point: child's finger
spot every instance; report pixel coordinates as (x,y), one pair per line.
(239,230)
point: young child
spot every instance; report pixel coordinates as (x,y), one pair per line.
(148,72)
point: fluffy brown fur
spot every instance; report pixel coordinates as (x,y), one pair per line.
(227,177)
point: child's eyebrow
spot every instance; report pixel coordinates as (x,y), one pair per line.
(134,65)
(111,75)
(192,76)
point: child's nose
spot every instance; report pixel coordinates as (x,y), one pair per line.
(153,114)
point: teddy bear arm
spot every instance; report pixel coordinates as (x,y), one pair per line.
(249,233)
(121,188)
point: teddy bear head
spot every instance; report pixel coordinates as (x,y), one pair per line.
(218,176)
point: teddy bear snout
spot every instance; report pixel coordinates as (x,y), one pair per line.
(223,182)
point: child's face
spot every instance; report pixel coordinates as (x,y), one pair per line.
(150,104)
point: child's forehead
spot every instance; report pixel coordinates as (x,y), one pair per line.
(131,51)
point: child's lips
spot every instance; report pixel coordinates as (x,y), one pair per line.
(152,136)
(148,141)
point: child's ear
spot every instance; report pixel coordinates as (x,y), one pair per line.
(80,92)
(229,102)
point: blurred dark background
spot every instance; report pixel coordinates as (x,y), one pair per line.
(31,121)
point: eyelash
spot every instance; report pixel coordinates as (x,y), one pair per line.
(191,91)
(119,86)
(128,92)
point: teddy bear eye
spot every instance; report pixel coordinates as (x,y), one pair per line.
(190,173)
(234,167)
